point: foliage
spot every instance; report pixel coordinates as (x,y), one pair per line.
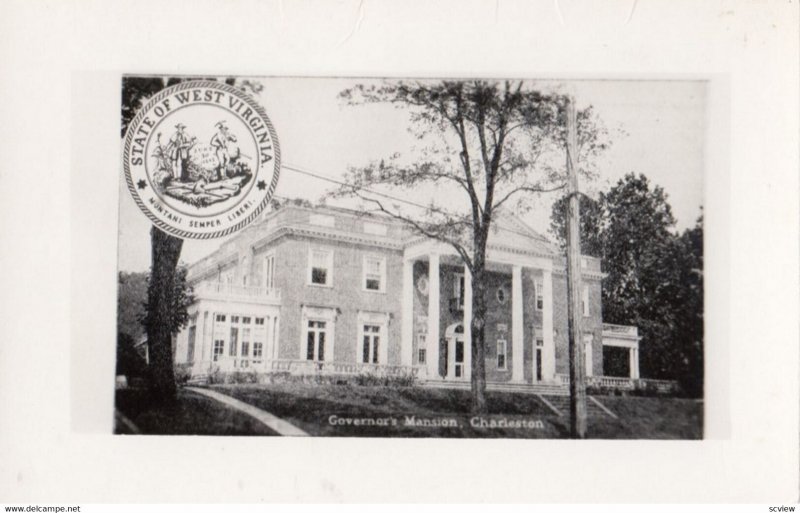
(131,298)
(183,373)
(368,379)
(486,146)
(181,297)
(655,276)
(590,224)
(129,362)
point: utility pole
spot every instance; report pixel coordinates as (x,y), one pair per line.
(577,385)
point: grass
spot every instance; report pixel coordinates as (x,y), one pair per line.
(190,414)
(650,417)
(310,407)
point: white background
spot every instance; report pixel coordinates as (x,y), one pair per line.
(59,175)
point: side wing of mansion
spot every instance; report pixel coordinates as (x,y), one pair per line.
(327,290)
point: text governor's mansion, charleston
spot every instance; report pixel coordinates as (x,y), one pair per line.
(330,291)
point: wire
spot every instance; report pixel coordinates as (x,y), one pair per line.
(388,196)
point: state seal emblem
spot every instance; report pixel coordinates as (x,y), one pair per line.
(201,159)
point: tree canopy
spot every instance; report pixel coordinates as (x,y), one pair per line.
(655,275)
(485,146)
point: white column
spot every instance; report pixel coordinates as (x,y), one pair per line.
(517,328)
(407,314)
(276,327)
(268,342)
(432,357)
(200,337)
(633,354)
(587,353)
(467,324)
(549,349)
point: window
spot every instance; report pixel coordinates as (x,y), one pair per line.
(219,349)
(234,319)
(501,354)
(374,273)
(539,347)
(259,321)
(458,290)
(246,342)
(226,277)
(321,267)
(234,341)
(422,340)
(220,318)
(501,296)
(371,343)
(539,294)
(258,349)
(190,354)
(269,271)
(585,300)
(245,320)
(315,341)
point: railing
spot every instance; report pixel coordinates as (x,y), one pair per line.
(236,291)
(312,367)
(621,383)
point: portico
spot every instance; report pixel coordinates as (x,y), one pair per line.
(436,276)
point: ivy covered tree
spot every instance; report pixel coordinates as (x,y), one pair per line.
(165,279)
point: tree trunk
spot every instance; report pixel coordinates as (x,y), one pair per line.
(166,250)
(478,341)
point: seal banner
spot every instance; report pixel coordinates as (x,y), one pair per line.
(201,159)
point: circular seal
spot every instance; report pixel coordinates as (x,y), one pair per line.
(201,159)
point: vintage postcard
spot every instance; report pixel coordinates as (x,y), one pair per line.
(485,258)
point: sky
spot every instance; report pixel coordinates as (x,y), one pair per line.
(658,129)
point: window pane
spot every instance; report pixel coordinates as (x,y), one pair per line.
(373,283)
(375,347)
(421,356)
(234,341)
(310,346)
(319,276)
(321,354)
(365,350)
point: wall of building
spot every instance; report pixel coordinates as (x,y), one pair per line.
(593,324)
(346,295)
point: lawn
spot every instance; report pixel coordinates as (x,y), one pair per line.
(190,414)
(384,410)
(310,407)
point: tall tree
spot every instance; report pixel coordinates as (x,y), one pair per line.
(166,249)
(487,146)
(655,276)
(591,224)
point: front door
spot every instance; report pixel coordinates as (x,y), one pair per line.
(458,370)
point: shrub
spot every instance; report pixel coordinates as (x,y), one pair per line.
(183,372)
(215,377)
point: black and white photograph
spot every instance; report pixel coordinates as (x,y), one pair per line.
(411,257)
(355,254)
